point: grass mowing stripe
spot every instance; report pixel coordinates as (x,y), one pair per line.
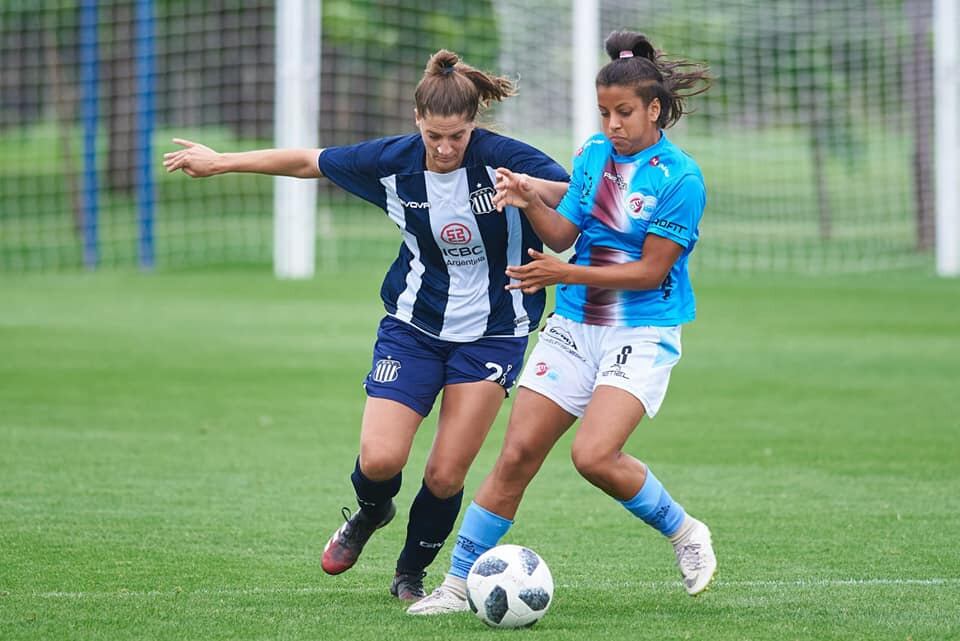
(601,584)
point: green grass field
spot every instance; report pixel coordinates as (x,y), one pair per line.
(175,450)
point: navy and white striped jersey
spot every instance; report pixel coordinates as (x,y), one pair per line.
(448,279)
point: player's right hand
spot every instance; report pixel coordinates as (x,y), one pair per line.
(512,189)
(196,160)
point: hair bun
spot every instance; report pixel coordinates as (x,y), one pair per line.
(443,62)
(645,49)
(619,42)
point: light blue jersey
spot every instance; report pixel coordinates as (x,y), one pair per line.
(616,201)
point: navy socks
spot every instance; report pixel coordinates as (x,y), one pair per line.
(374,496)
(431,521)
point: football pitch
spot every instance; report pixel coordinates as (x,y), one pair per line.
(175,451)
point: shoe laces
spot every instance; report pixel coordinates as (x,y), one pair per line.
(413,580)
(411,576)
(689,557)
(353,529)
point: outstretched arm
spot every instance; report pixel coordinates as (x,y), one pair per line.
(529,194)
(198,161)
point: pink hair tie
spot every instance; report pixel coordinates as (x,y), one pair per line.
(626,53)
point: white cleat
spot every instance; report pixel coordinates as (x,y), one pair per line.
(694,550)
(448,598)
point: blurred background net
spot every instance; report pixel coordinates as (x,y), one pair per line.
(816,140)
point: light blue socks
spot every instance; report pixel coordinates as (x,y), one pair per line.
(480,531)
(653,506)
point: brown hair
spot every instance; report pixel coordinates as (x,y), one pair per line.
(450,87)
(652,74)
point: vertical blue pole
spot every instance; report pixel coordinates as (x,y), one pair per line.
(89,80)
(146,115)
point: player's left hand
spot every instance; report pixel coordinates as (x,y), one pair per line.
(541,272)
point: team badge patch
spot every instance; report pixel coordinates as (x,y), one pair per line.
(640,205)
(386,370)
(481,200)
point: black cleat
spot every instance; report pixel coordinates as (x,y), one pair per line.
(344,547)
(408,586)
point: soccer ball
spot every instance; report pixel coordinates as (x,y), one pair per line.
(509,586)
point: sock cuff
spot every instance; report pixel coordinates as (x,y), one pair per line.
(483,516)
(649,494)
(455,499)
(480,524)
(374,491)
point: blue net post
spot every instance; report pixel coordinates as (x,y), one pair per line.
(146,115)
(89,81)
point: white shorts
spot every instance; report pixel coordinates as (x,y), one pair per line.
(571,359)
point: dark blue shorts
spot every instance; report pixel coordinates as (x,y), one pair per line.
(411,367)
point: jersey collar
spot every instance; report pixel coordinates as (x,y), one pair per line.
(644,155)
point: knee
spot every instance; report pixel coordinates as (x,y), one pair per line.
(514,459)
(380,465)
(443,480)
(592,462)
(516,466)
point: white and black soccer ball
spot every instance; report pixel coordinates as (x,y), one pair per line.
(509,586)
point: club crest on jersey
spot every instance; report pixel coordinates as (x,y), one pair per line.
(481,200)
(641,205)
(386,370)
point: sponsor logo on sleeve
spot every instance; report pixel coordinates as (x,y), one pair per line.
(669,225)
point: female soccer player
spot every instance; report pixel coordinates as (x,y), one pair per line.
(451,324)
(635,201)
